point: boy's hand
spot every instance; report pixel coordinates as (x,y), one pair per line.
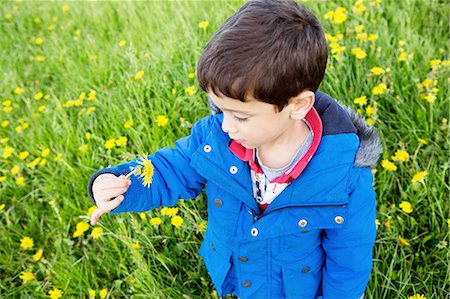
(107,190)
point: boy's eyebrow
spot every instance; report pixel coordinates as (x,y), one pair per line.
(229,110)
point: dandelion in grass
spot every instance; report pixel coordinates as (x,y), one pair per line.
(377,223)
(203,24)
(38,96)
(122,43)
(91,210)
(190,90)
(162,121)
(421,140)
(122,141)
(2,207)
(5,123)
(66,8)
(144,169)
(2,178)
(27,276)
(38,255)
(137,245)
(406,207)
(139,75)
(58,157)
(84,148)
(417,296)
(419,177)
(400,155)
(7,152)
(96,232)
(20,180)
(403,242)
(15,170)
(143,216)
(92,294)
(372,37)
(156,221)
(128,124)
(81,228)
(103,293)
(442,244)
(26,243)
(170,212)
(377,70)
(361,100)
(388,165)
(39,41)
(359,53)
(176,221)
(379,89)
(110,143)
(55,293)
(92,95)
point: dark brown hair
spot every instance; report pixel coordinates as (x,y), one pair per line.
(269,49)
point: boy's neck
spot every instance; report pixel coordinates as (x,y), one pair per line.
(280,152)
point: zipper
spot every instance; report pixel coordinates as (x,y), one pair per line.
(257,217)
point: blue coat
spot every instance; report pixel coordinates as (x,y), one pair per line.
(314,240)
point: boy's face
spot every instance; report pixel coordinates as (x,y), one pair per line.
(253,123)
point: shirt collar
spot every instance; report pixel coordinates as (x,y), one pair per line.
(248,155)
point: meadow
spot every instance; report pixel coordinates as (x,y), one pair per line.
(85,85)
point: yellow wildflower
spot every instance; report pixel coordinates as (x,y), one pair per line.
(435,62)
(92,294)
(402,56)
(372,37)
(423,141)
(40,58)
(38,96)
(38,255)
(139,75)
(430,98)
(161,121)
(128,124)
(155,221)
(137,245)
(176,221)
(35,162)
(42,108)
(388,165)
(340,15)
(359,53)
(39,41)
(190,90)
(20,180)
(5,123)
(400,155)
(362,36)
(66,7)
(110,143)
(55,293)
(419,177)
(84,148)
(377,223)
(26,243)
(58,157)
(359,9)
(90,110)
(379,89)
(169,211)
(91,210)
(103,293)
(2,207)
(370,121)
(370,110)
(15,170)
(7,152)
(406,207)
(417,296)
(7,103)
(403,242)
(359,28)
(191,75)
(96,232)
(442,244)
(377,70)
(81,228)
(331,38)
(361,100)
(121,141)
(147,171)
(88,135)
(45,152)
(143,216)
(92,95)
(27,276)
(122,42)
(18,90)
(202,225)
(203,24)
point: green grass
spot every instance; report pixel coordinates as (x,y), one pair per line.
(82,53)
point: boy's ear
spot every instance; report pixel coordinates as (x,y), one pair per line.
(301,104)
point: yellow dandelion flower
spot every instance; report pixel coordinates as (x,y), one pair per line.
(122,42)
(377,223)
(202,225)
(7,103)
(370,110)
(400,155)
(88,135)
(406,207)
(442,244)
(170,212)
(147,171)
(92,95)
(139,75)
(359,9)
(359,28)
(15,170)
(5,123)
(417,296)
(84,148)
(20,180)
(137,245)
(110,143)
(361,100)
(128,124)
(423,141)
(388,165)
(340,15)
(448,223)
(377,70)
(40,58)
(81,228)
(191,75)
(2,207)
(90,110)
(4,140)
(38,96)
(161,120)
(143,216)
(7,152)
(96,232)
(91,210)
(45,152)
(18,90)
(372,37)
(362,36)
(190,90)
(379,89)
(430,98)
(39,41)
(42,108)
(103,293)
(419,177)
(92,294)
(55,293)
(176,221)
(370,121)
(435,62)
(58,157)
(38,255)
(26,243)
(403,242)
(155,221)
(402,56)
(203,24)
(359,53)
(121,141)
(27,276)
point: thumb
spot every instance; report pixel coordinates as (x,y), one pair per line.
(112,204)
(95,215)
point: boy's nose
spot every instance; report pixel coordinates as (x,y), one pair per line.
(227,126)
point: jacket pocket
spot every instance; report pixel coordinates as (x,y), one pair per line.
(217,260)
(301,279)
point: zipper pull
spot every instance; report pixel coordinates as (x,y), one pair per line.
(254,215)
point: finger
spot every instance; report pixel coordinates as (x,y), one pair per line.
(108,194)
(112,204)
(96,215)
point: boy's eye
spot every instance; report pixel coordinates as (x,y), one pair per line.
(240,119)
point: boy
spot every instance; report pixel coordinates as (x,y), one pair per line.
(291,207)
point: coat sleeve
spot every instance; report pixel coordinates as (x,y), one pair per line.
(349,250)
(173,177)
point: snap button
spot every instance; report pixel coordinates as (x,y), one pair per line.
(246,284)
(302,223)
(212,246)
(243,259)
(218,202)
(233,169)
(207,148)
(258,199)
(306,270)
(254,232)
(339,219)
